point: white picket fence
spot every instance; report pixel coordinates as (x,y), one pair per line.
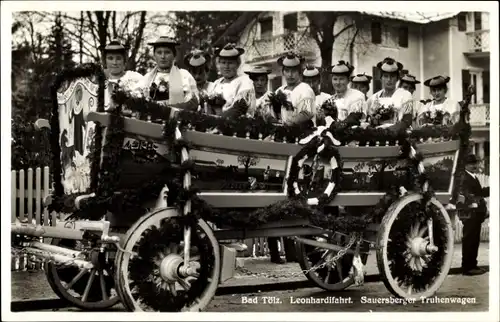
(24,193)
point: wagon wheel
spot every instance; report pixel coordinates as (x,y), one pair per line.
(86,289)
(409,266)
(148,274)
(331,277)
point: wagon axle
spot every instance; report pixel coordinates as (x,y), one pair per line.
(173,269)
(420,247)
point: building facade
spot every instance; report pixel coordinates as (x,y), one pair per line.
(427,44)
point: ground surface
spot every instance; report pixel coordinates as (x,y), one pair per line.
(260,272)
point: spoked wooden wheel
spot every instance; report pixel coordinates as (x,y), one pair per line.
(86,289)
(151,272)
(410,264)
(330,277)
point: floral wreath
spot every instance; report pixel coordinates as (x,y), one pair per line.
(319,143)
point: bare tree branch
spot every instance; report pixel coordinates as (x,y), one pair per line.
(352,25)
(138,38)
(114,25)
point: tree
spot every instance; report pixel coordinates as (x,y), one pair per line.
(247,161)
(35,62)
(200,29)
(322,28)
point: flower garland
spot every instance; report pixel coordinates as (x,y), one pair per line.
(342,131)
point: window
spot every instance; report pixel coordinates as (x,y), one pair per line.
(403,37)
(377,83)
(376,32)
(478,23)
(462,21)
(290,22)
(465,82)
(486,87)
(266,28)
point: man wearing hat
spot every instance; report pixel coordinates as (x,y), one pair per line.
(115,61)
(312,77)
(390,104)
(168,83)
(409,82)
(346,100)
(232,95)
(440,106)
(300,95)
(260,78)
(198,64)
(361,82)
(474,197)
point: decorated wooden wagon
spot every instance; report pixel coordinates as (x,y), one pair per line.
(138,198)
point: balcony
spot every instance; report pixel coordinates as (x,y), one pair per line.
(480,114)
(478,43)
(272,48)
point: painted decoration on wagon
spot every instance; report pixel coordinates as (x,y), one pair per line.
(76,99)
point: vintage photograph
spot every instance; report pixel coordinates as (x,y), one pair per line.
(244,161)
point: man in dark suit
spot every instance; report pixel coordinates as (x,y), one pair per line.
(477,212)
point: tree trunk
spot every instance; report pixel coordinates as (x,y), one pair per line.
(132,62)
(326,62)
(81,37)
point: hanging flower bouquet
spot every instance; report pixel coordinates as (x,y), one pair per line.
(382,113)
(159,92)
(215,100)
(329,108)
(279,100)
(435,117)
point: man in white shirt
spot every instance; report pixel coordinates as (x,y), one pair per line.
(260,78)
(300,98)
(361,82)
(198,64)
(390,105)
(348,101)
(168,83)
(409,83)
(312,77)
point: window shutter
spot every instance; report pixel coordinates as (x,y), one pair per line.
(376,32)
(377,83)
(462,21)
(266,28)
(486,87)
(465,82)
(290,21)
(403,37)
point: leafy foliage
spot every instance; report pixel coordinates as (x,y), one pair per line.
(200,29)
(32,77)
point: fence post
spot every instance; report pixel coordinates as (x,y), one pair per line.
(46,183)
(38,196)
(30,195)
(13,195)
(22,195)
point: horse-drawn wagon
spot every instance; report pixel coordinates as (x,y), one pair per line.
(137,199)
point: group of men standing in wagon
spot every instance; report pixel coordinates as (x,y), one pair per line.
(245,92)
